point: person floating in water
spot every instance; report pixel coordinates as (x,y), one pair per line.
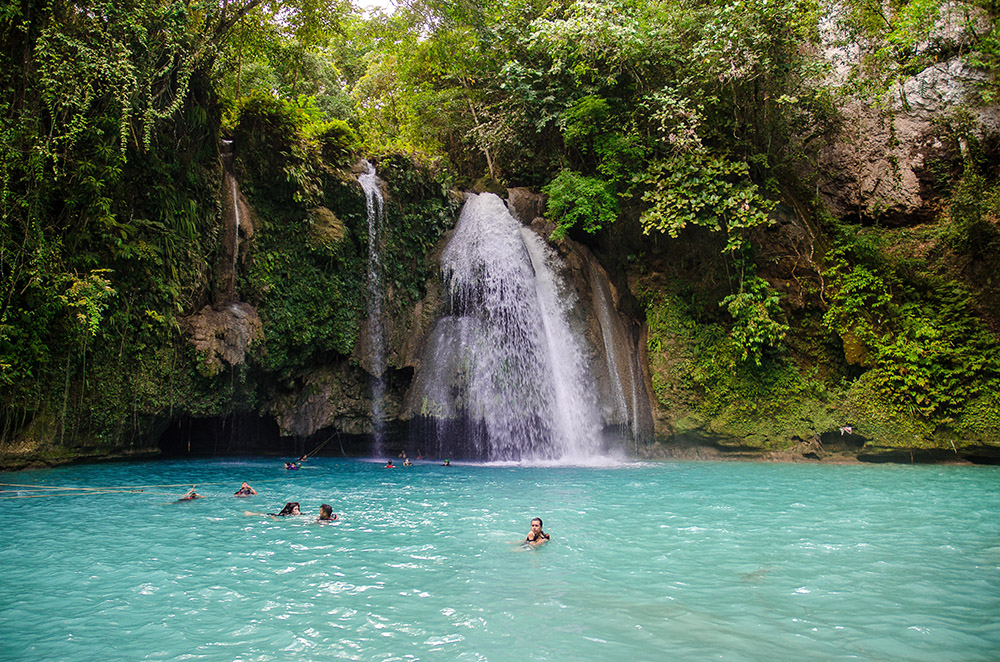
(291,508)
(447,463)
(536,536)
(389,465)
(245,490)
(326,513)
(191,496)
(291,466)
(406,462)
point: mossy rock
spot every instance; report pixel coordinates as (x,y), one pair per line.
(489,185)
(325,229)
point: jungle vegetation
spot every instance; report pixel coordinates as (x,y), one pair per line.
(655,128)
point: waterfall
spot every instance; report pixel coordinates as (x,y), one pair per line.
(234,191)
(619,359)
(602,304)
(504,369)
(227,266)
(376,331)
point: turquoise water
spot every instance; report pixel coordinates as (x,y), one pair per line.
(687,561)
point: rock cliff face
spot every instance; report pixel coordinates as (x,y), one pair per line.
(892,156)
(224,334)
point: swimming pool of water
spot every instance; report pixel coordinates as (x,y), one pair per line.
(651,561)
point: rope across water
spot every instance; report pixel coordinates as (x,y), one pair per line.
(36,491)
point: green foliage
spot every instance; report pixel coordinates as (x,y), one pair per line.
(755,329)
(927,351)
(286,148)
(108,177)
(701,376)
(288,49)
(576,199)
(695,187)
(585,120)
(860,307)
(90,298)
(309,310)
(973,212)
(338,142)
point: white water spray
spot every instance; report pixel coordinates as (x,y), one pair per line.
(506,362)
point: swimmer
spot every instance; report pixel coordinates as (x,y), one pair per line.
(407,463)
(536,536)
(447,463)
(326,513)
(291,508)
(191,496)
(245,490)
(291,466)
(389,465)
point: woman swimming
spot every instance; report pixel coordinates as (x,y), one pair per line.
(245,490)
(291,508)
(536,536)
(191,496)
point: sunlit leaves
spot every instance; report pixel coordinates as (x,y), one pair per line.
(578,200)
(89,297)
(698,188)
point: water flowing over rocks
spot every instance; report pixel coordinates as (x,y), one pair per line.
(529,357)
(237,228)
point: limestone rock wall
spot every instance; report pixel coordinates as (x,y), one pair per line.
(887,161)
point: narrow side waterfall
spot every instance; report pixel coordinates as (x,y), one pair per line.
(505,376)
(602,304)
(234,193)
(376,329)
(624,377)
(237,227)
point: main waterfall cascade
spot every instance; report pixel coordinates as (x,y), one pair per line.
(376,331)
(505,376)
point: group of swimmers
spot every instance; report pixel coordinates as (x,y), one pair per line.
(326,513)
(407,463)
(536,536)
(244,491)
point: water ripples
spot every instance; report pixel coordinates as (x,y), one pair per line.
(690,561)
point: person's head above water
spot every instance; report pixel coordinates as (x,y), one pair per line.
(245,489)
(536,535)
(326,512)
(291,508)
(191,495)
